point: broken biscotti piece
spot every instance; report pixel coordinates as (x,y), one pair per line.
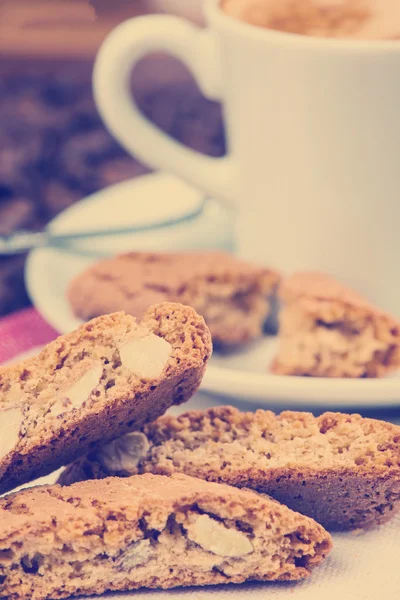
(232,295)
(342,470)
(149,531)
(328,330)
(110,376)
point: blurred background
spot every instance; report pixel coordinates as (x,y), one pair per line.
(54,149)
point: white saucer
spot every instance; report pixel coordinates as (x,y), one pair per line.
(244,375)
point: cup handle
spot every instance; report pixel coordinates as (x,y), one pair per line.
(197,49)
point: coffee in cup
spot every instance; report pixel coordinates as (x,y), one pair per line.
(357,19)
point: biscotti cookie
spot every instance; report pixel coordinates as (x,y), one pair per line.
(149,531)
(342,470)
(232,295)
(110,376)
(328,330)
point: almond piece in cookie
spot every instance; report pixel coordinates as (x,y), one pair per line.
(342,470)
(328,330)
(149,531)
(10,427)
(108,377)
(233,296)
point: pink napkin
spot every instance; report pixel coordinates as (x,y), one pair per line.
(22,331)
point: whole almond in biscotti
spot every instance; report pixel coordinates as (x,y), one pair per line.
(232,295)
(342,470)
(149,531)
(110,376)
(328,330)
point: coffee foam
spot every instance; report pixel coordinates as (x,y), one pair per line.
(355,19)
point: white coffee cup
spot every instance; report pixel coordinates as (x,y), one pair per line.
(313,128)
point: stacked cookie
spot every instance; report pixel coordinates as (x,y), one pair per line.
(155,501)
(110,376)
(341,470)
(149,531)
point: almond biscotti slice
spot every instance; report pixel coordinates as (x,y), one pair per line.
(328,330)
(342,470)
(149,531)
(232,295)
(108,377)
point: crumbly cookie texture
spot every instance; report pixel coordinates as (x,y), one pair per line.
(342,470)
(110,376)
(233,296)
(149,531)
(328,330)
